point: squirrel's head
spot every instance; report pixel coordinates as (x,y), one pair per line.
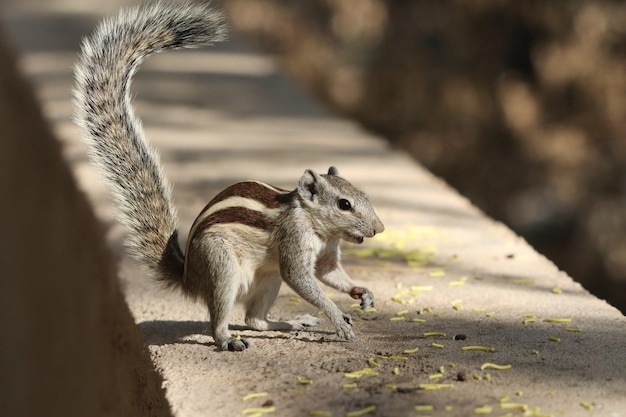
(337,208)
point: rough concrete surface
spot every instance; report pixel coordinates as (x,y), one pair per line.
(227,114)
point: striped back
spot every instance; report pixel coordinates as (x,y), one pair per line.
(250,203)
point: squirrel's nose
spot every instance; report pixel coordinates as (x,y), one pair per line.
(379,227)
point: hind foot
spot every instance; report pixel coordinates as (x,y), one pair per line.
(304,321)
(235,344)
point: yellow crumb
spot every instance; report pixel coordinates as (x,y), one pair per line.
(358,374)
(485,409)
(397,319)
(304,381)
(554,339)
(557,291)
(296,391)
(409,351)
(434,334)
(524,282)
(391,386)
(437,345)
(513,406)
(402,312)
(435,376)
(396,371)
(421,288)
(457,283)
(350,386)
(418,320)
(372,362)
(255,395)
(361,412)
(573,329)
(481,348)
(424,407)
(489,365)
(557,320)
(398,358)
(437,273)
(586,405)
(317,413)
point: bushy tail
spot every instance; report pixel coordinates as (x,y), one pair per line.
(109,59)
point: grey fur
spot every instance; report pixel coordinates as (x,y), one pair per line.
(108,60)
(252,234)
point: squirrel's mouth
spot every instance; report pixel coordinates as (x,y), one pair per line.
(354,238)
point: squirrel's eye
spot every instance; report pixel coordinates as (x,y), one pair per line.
(344,204)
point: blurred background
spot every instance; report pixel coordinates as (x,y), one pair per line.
(520,105)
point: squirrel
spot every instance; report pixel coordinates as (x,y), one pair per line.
(251,236)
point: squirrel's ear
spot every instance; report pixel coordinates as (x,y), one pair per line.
(333,171)
(308,186)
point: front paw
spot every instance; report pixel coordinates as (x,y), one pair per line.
(366,296)
(343,327)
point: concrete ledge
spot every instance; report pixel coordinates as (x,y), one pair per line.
(466,275)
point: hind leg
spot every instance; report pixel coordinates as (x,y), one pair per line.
(215,266)
(261,298)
